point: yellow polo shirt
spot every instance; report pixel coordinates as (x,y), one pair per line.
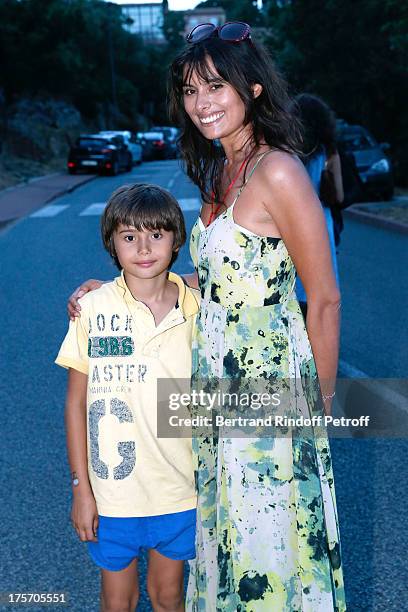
(117,344)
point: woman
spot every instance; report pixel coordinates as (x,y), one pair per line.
(322,162)
(267,535)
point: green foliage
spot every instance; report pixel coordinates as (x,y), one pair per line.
(63,48)
(354,55)
(173,29)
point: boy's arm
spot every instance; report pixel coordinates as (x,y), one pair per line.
(84,513)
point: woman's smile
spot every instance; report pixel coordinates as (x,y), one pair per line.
(210,119)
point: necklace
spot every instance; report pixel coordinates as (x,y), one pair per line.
(215,207)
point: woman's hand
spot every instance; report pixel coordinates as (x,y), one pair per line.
(191,280)
(84,516)
(74,309)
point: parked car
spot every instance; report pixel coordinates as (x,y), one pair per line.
(105,154)
(373,164)
(171,135)
(131,141)
(155,145)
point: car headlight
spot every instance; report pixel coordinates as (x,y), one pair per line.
(383,165)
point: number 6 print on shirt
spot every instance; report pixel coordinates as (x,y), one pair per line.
(125,449)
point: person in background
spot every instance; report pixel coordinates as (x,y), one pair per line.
(322,162)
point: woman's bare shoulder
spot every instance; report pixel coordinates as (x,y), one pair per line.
(289,198)
(284,183)
(279,166)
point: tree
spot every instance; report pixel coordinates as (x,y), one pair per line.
(173,29)
(353,54)
(80,52)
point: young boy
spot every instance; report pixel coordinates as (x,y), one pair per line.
(132,489)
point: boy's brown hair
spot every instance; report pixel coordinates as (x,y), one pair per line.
(142,206)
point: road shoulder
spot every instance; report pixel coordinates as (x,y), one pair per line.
(391,215)
(20,201)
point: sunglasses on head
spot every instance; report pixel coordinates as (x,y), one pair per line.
(231,31)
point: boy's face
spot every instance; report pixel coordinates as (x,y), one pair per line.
(143,254)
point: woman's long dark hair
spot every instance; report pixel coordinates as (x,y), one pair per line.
(241,65)
(319,124)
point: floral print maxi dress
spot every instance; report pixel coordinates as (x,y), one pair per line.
(267,529)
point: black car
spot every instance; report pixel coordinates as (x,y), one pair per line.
(103,154)
(373,165)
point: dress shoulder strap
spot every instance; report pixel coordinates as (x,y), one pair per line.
(254,167)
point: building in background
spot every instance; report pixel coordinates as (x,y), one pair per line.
(146,20)
(215,15)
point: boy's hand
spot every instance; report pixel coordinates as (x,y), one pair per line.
(84,517)
(74,309)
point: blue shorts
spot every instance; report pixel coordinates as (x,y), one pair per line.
(120,539)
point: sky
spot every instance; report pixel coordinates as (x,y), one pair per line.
(174,5)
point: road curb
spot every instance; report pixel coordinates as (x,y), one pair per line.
(28,182)
(376,220)
(358,394)
(6,223)
(69,189)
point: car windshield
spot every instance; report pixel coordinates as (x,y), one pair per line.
(165,131)
(356,141)
(110,135)
(153,136)
(91,142)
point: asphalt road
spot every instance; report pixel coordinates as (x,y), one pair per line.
(374,288)
(45,256)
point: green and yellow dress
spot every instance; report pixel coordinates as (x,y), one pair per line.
(267,527)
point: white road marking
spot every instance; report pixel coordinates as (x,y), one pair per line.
(93,209)
(171,182)
(189,203)
(52,210)
(97,208)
